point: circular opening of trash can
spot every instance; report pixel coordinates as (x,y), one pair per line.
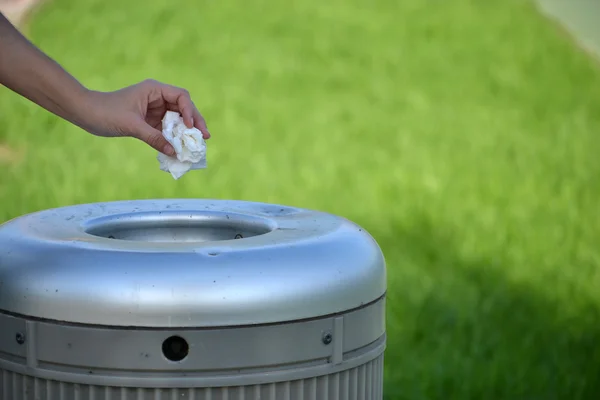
(178,226)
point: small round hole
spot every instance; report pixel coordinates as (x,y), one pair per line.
(175,348)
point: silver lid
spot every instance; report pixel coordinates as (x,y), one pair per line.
(185,263)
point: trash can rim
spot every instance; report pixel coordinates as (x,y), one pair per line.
(149,263)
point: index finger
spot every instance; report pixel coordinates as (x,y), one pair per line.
(181,99)
(200,123)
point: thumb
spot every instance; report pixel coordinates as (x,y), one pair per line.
(153,137)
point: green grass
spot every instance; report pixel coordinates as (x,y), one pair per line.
(462,134)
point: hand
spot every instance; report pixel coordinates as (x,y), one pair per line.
(137,111)
(134,111)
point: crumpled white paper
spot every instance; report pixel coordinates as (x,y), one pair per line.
(189,145)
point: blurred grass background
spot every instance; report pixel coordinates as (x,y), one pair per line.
(462,134)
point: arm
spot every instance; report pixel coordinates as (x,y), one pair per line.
(134,111)
(29,72)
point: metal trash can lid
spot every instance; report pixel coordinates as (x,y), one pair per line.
(185,263)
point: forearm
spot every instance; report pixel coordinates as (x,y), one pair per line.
(29,72)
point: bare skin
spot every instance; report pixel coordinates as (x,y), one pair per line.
(135,111)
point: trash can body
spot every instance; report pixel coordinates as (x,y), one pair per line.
(190,299)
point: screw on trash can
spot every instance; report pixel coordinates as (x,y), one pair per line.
(20,338)
(327,338)
(238,236)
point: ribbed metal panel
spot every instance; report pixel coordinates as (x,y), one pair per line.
(364,382)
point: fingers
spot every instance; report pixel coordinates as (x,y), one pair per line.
(180,101)
(181,98)
(200,124)
(153,137)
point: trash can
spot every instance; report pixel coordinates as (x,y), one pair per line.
(190,299)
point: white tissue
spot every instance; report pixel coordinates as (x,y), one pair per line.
(189,145)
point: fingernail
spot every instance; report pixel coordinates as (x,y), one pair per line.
(169,150)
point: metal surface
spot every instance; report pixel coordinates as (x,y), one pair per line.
(98,354)
(177,264)
(190,299)
(362,382)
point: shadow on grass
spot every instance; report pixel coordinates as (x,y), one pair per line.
(463,329)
